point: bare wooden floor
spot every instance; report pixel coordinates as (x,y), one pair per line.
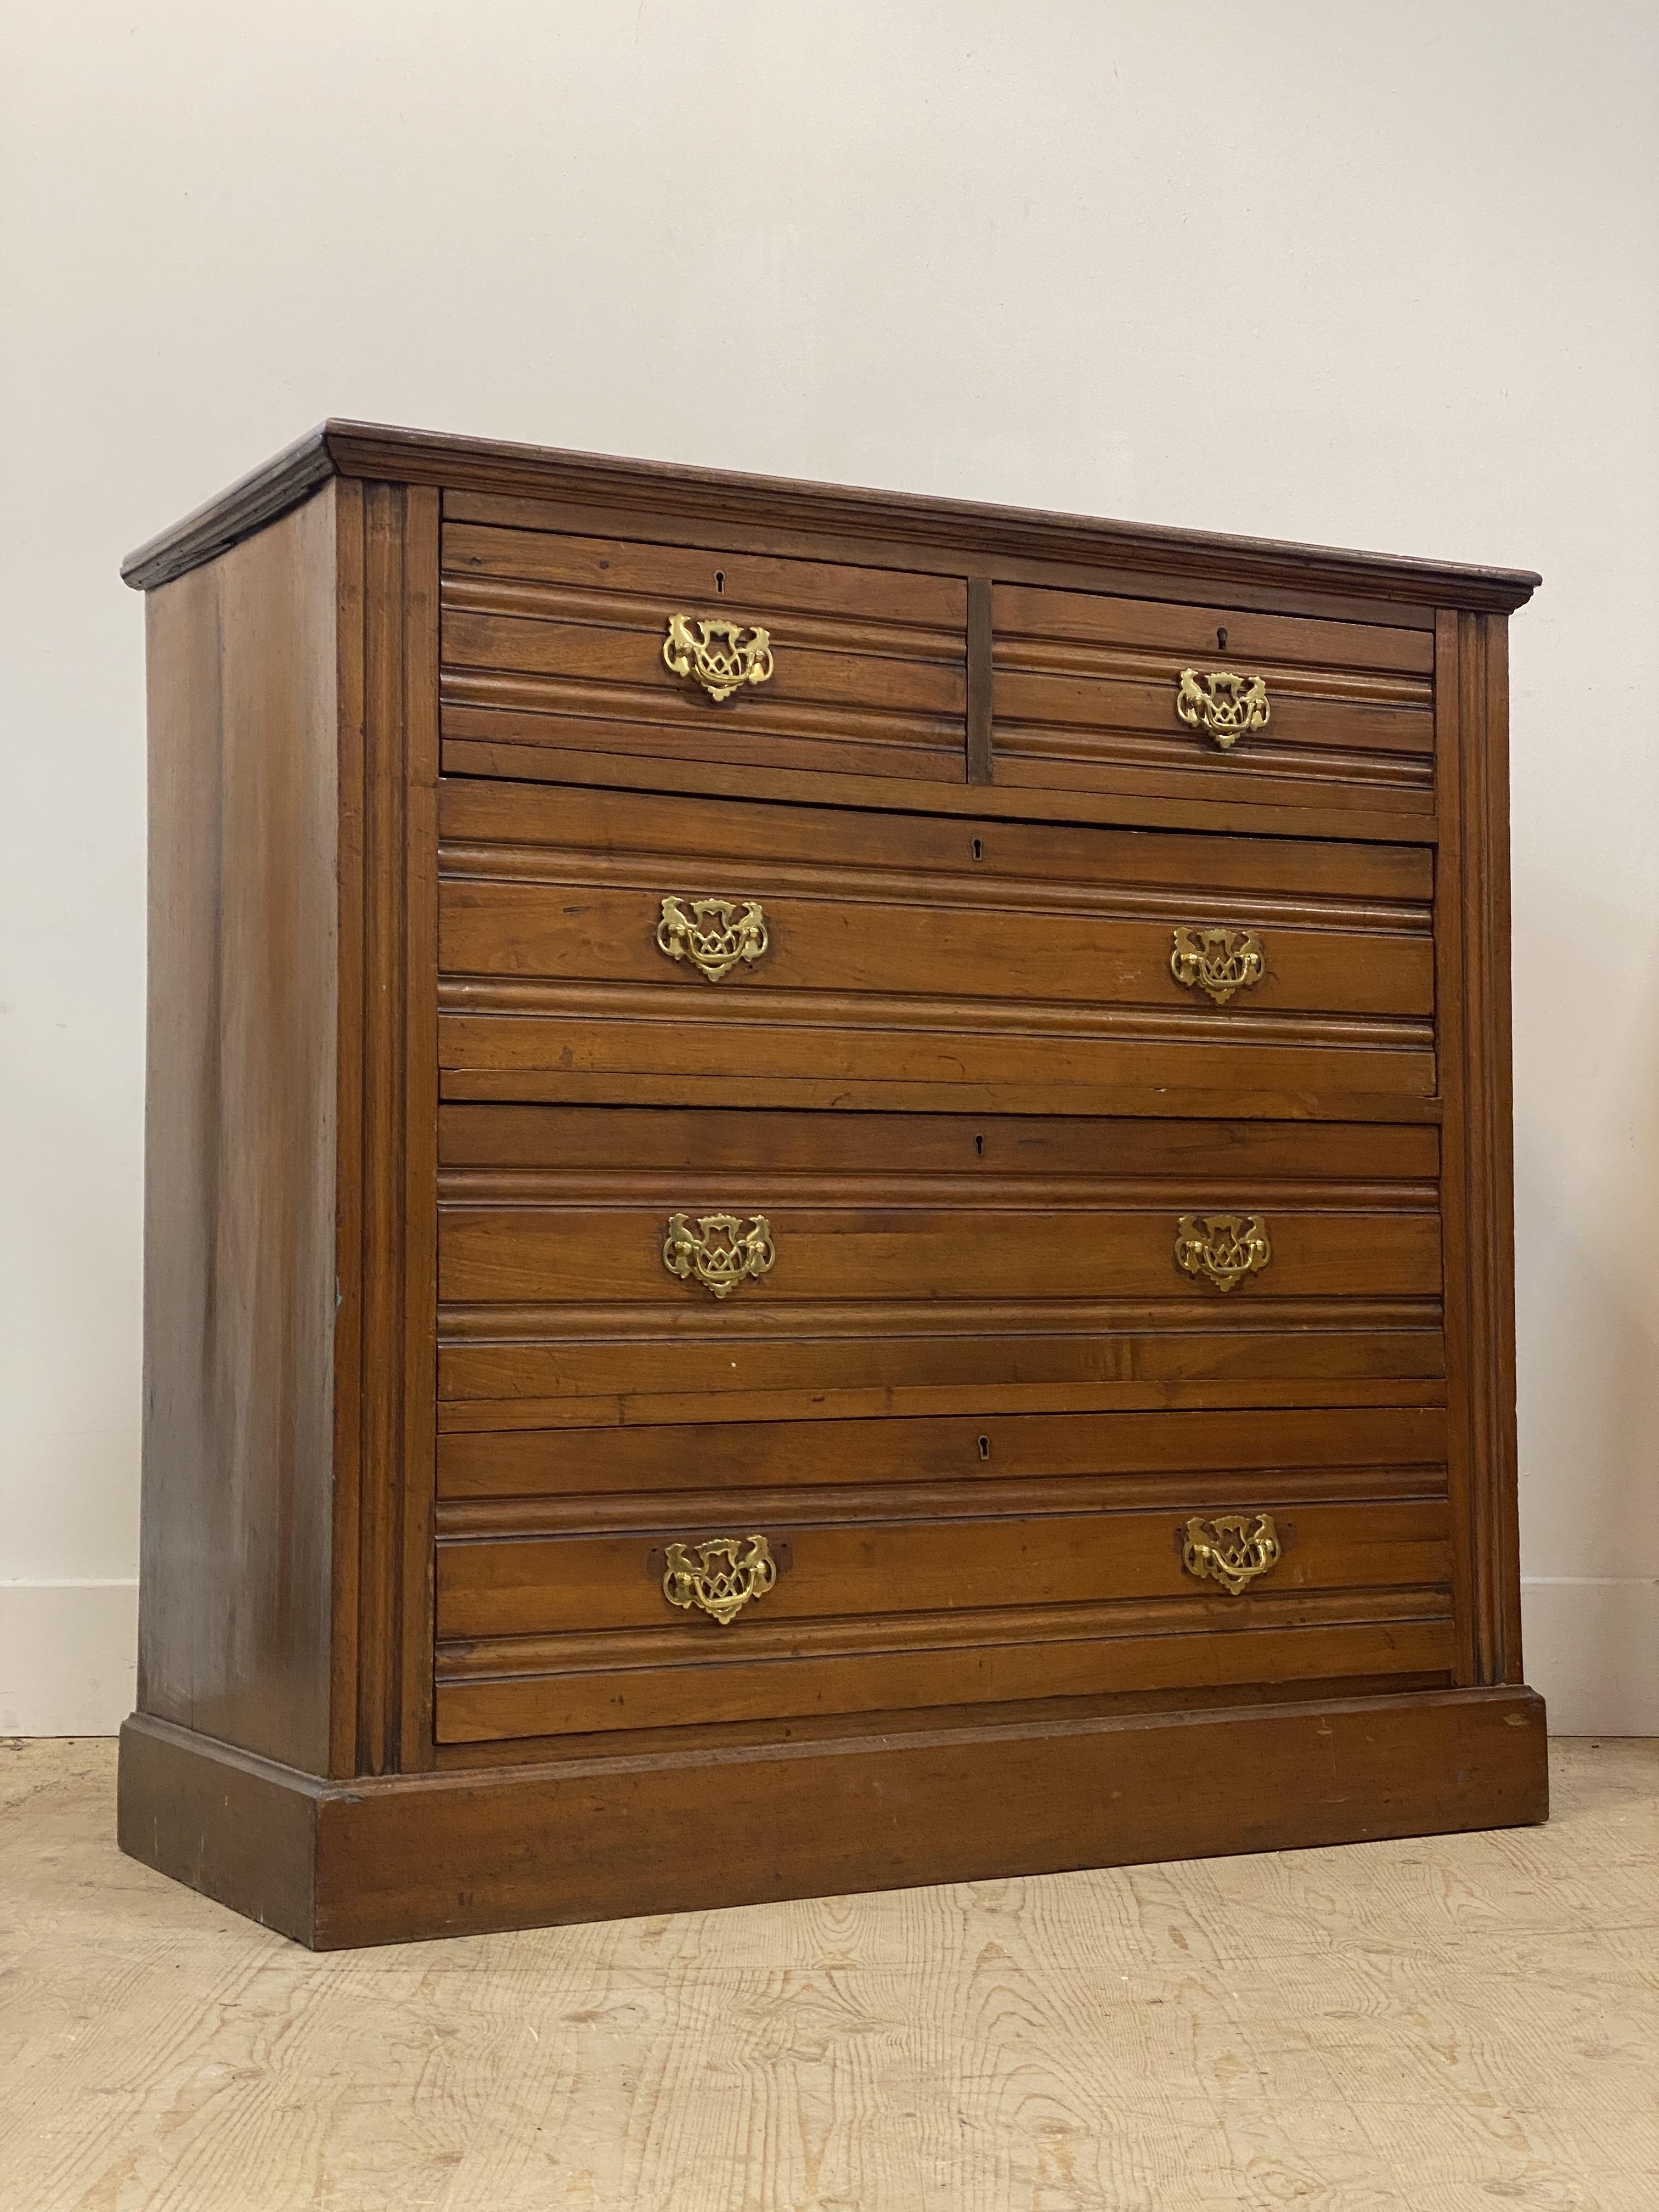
(1467,2022)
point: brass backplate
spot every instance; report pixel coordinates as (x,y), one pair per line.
(1222,1248)
(723,1249)
(712,933)
(721,657)
(1222,704)
(718,1581)
(1218,960)
(1232,1549)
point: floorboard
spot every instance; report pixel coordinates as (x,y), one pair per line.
(1441,2026)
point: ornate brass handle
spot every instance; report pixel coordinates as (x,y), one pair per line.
(1229,1550)
(721,656)
(1219,960)
(1225,1246)
(718,1582)
(722,1251)
(714,936)
(1223,705)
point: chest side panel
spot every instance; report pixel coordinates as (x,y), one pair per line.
(241,1144)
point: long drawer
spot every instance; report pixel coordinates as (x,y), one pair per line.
(858,1610)
(710,1262)
(601,944)
(507,1478)
(531,1584)
(1097,694)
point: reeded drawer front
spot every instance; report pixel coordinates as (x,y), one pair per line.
(532,1585)
(708,1257)
(684,1622)
(1099,694)
(887,1242)
(588,938)
(565,644)
(509,1480)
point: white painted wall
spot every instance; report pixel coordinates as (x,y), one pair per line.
(1384,273)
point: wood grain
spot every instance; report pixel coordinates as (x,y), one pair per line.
(966,1089)
(973,1256)
(387,1114)
(558,642)
(419,1350)
(1477,1180)
(960,1456)
(239,1203)
(1003,927)
(1378,886)
(593,1685)
(1063,1550)
(455,1852)
(470,750)
(991,1148)
(1426,2026)
(522,486)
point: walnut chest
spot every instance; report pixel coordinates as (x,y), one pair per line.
(828,1194)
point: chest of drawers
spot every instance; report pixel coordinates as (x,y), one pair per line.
(828,1194)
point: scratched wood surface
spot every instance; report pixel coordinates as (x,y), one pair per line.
(1421,2026)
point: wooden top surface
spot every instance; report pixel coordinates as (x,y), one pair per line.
(982,534)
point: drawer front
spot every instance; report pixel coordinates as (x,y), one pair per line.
(712,1260)
(494,1478)
(547,1585)
(556,644)
(589,938)
(771,1616)
(1102,695)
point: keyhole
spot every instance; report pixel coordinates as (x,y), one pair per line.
(977,848)
(720,580)
(985,1448)
(979,1147)
(1221,640)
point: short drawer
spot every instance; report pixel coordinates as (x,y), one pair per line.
(688,1623)
(704,1260)
(1096,694)
(555,644)
(588,938)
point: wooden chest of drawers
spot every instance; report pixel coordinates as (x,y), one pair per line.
(828,1194)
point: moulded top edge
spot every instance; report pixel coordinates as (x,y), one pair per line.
(980,532)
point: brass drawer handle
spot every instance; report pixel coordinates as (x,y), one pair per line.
(1225,1246)
(718,1582)
(721,656)
(1223,705)
(723,1250)
(1219,960)
(714,936)
(1229,1550)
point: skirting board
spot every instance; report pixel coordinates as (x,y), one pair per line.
(342,1864)
(67,1652)
(68,1656)
(1592,1646)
